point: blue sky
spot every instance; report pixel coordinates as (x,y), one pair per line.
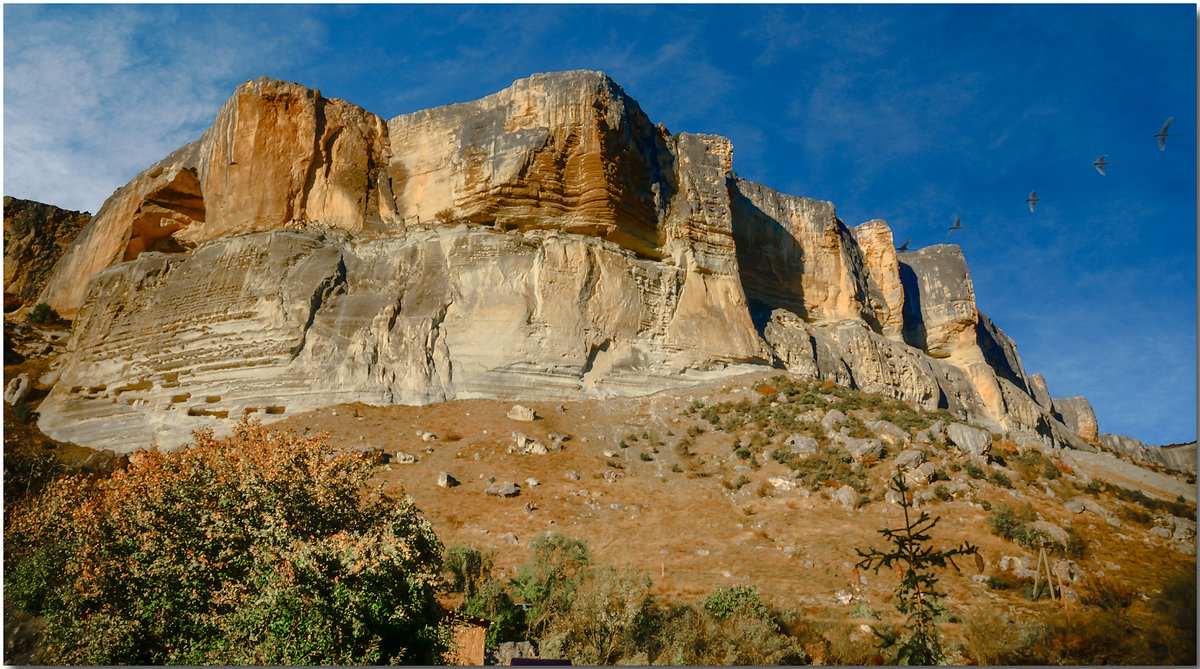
(914,114)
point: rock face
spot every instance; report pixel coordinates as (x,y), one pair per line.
(1077,414)
(545,242)
(35,237)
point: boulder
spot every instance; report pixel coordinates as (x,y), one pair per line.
(975,443)
(921,475)
(832,417)
(17,390)
(909,459)
(802,444)
(847,496)
(889,432)
(862,449)
(404,458)
(1077,414)
(445,480)
(521,413)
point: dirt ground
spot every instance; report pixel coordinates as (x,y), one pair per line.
(674,518)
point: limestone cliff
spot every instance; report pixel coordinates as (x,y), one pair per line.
(545,241)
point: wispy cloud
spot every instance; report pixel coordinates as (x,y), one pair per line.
(93,96)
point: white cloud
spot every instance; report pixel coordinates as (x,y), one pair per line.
(93,95)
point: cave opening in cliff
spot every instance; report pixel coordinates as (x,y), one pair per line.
(169,209)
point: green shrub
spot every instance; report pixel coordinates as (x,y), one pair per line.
(974,470)
(829,464)
(1106,592)
(1001,479)
(466,568)
(548,582)
(942,492)
(611,619)
(42,314)
(260,548)
(645,457)
(741,600)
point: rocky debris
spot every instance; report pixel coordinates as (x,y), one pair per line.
(861,449)
(573,476)
(1051,530)
(521,413)
(844,598)
(17,390)
(781,483)
(510,538)
(426,436)
(613,475)
(802,444)
(610,453)
(888,432)
(909,458)
(922,474)
(975,443)
(556,440)
(404,458)
(531,482)
(1067,570)
(1021,567)
(1081,504)
(831,418)
(508,489)
(847,496)
(892,497)
(527,446)
(445,480)
(742,469)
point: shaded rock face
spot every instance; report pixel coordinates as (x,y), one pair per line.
(547,241)
(35,236)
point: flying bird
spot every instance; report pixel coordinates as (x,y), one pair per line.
(958,225)
(904,247)
(1033,199)
(1102,163)
(1162,135)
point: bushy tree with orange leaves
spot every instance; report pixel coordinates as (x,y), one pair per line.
(261,548)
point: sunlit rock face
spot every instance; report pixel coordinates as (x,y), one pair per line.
(546,241)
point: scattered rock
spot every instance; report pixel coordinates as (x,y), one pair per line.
(404,458)
(742,469)
(888,432)
(527,446)
(860,449)
(373,454)
(1161,531)
(1051,530)
(509,489)
(572,476)
(521,413)
(510,538)
(613,475)
(508,650)
(892,497)
(847,496)
(17,390)
(781,483)
(428,436)
(802,444)
(445,480)
(531,482)
(1067,570)
(922,474)
(832,417)
(556,440)
(843,598)
(909,459)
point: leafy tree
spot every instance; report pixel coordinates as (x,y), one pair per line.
(260,548)
(916,595)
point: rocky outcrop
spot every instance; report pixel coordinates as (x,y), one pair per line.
(1179,457)
(1077,414)
(547,241)
(35,237)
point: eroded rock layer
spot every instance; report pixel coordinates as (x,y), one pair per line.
(35,236)
(547,241)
